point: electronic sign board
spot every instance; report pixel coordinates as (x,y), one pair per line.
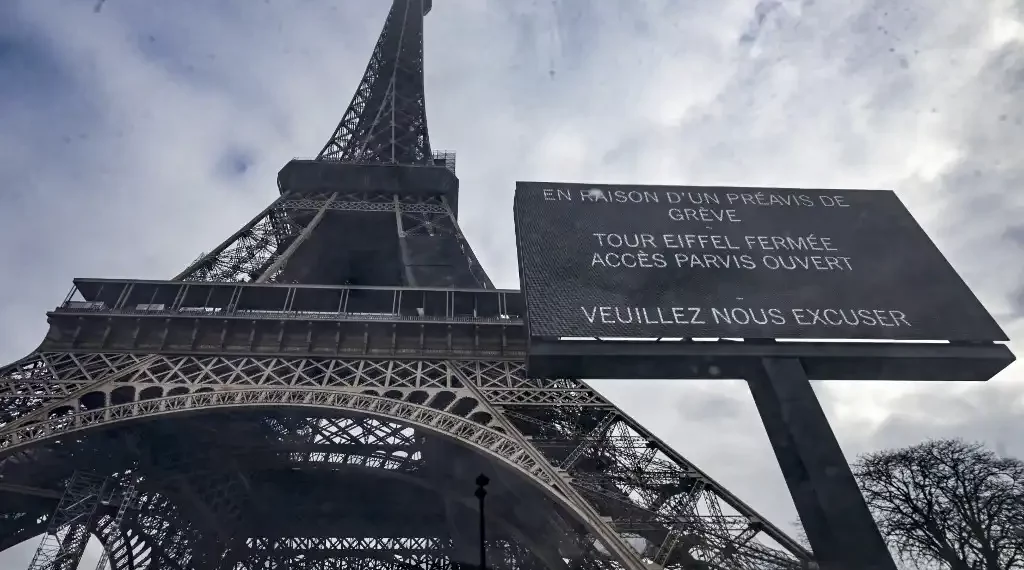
(628,261)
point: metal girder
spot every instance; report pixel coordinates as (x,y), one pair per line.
(261,250)
(41,384)
(289,552)
(627,481)
(387,120)
(68,531)
(244,255)
(153,535)
(116,523)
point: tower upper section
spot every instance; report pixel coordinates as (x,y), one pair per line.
(386,122)
(380,207)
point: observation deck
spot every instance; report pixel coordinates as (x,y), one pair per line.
(288,319)
(301,177)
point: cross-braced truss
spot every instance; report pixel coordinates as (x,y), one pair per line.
(261,250)
(387,121)
(659,505)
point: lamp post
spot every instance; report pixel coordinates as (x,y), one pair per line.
(481,482)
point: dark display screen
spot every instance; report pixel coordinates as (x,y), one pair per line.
(696,262)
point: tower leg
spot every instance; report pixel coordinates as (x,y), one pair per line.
(68,532)
(127,497)
(837,521)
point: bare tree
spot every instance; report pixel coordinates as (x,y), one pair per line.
(948,502)
(901,564)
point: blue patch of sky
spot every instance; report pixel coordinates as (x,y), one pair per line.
(235,162)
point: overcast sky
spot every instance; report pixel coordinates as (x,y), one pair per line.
(136,135)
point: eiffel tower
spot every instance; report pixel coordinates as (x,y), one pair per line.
(322,389)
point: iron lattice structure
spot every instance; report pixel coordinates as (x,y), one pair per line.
(320,391)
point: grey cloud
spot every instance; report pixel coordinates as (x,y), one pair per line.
(1015,237)
(762,12)
(990,414)
(234,161)
(983,210)
(709,406)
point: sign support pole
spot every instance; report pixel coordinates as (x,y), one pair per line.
(839,526)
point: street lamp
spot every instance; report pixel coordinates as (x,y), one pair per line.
(481,482)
